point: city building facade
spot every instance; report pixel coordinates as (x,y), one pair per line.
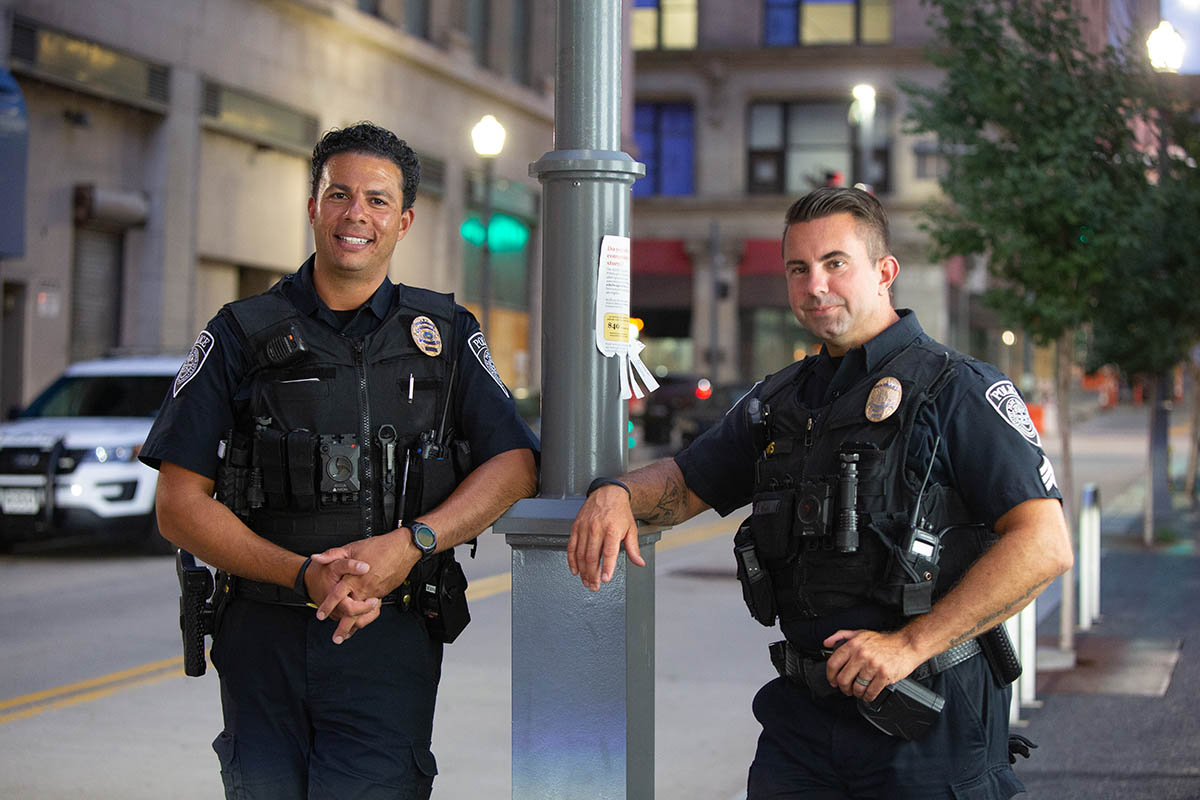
(742,106)
(168,160)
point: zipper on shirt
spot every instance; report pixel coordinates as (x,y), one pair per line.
(367,500)
(808,433)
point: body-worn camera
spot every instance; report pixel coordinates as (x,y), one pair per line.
(339,468)
(830,506)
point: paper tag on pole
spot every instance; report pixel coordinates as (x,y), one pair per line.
(613,331)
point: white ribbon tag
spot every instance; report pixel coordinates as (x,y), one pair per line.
(614,335)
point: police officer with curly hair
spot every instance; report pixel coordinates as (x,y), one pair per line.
(355,431)
(902,509)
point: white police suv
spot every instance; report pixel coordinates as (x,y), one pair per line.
(68,462)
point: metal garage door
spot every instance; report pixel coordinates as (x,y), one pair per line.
(96,293)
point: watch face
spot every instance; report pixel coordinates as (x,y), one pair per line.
(424,537)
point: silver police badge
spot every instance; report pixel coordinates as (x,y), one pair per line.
(884,399)
(426,336)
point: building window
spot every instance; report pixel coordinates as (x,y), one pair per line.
(519,54)
(416,18)
(794,147)
(930,161)
(664,24)
(787,23)
(665,136)
(478,25)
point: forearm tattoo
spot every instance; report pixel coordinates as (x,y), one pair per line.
(989,622)
(671,505)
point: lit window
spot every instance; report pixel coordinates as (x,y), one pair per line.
(787,23)
(665,135)
(795,147)
(664,25)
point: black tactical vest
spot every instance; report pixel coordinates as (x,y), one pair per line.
(832,523)
(348,435)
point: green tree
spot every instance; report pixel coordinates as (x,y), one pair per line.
(1043,171)
(1150,303)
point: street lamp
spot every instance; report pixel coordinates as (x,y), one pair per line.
(1165,48)
(488,139)
(1165,45)
(864,99)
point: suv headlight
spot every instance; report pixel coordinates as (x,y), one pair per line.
(121,453)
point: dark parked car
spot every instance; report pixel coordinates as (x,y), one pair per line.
(708,411)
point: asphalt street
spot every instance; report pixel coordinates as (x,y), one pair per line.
(93,702)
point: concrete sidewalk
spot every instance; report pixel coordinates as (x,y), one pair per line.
(1122,722)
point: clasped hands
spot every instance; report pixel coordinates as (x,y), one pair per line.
(348,582)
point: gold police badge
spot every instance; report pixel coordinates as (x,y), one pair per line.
(425,335)
(883,400)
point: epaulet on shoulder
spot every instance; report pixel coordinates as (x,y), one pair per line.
(428,301)
(778,380)
(254,314)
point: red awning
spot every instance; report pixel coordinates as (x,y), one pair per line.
(761,257)
(659,257)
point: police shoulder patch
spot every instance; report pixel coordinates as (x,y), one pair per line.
(194,361)
(484,357)
(1003,397)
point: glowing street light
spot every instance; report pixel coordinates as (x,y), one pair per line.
(1166,46)
(488,139)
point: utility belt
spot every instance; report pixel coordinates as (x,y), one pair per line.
(906,709)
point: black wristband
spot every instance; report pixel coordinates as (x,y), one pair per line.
(596,484)
(298,585)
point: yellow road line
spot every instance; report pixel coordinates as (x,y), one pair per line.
(486,587)
(74,693)
(701,533)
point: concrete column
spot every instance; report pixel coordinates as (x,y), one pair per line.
(714,326)
(161,296)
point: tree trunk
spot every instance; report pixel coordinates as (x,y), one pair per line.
(1158,492)
(1194,443)
(1066,485)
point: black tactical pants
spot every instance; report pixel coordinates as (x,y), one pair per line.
(824,750)
(305,718)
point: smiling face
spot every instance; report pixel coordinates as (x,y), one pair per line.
(837,290)
(356,217)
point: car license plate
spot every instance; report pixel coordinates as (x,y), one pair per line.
(19,501)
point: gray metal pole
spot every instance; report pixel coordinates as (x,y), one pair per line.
(583,663)
(485,280)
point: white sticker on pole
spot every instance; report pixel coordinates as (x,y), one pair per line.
(614,334)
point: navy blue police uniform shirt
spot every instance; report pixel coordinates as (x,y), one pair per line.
(990,452)
(199,408)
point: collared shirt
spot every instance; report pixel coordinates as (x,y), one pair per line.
(987,452)
(198,412)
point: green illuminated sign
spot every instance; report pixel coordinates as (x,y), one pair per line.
(505,234)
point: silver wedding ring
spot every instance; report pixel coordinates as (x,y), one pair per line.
(862,681)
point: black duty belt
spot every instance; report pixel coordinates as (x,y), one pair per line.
(789,662)
(282,596)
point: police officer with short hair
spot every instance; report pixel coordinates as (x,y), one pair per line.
(902,509)
(363,432)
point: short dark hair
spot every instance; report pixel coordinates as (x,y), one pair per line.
(863,206)
(366,137)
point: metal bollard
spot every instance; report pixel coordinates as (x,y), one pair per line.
(1022,629)
(1089,556)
